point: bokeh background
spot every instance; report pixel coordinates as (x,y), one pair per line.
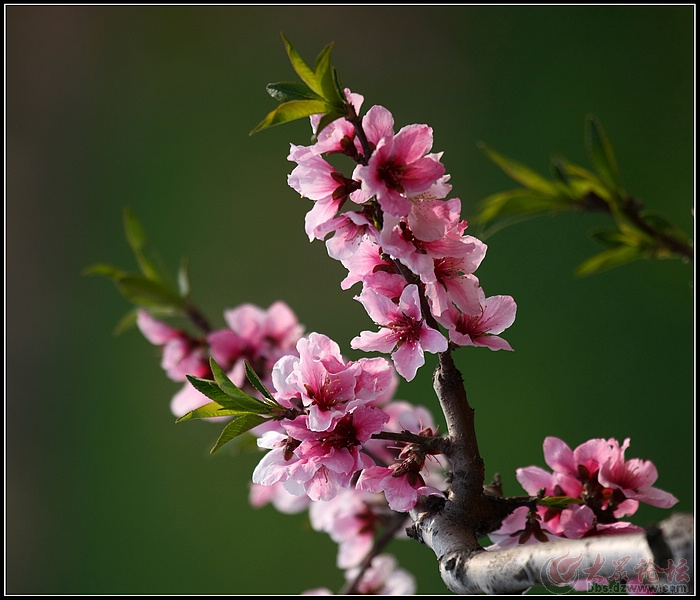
(150,107)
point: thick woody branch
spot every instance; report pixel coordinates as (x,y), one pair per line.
(514,570)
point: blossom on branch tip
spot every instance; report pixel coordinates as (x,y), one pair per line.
(399,166)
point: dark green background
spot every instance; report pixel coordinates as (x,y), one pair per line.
(151,107)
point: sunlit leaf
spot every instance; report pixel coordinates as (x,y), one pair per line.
(236,427)
(558,502)
(614,257)
(209,410)
(300,67)
(290,111)
(105,270)
(327,79)
(239,402)
(519,201)
(520,173)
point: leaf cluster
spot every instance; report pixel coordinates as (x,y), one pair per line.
(153,288)
(637,233)
(228,400)
(320,92)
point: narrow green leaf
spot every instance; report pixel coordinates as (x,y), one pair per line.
(290,111)
(212,409)
(339,89)
(557,167)
(257,383)
(147,259)
(236,427)
(105,270)
(326,78)
(558,502)
(522,174)
(209,388)
(610,237)
(126,322)
(287,92)
(600,153)
(148,293)
(238,401)
(614,257)
(301,69)
(518,202)
(234,392)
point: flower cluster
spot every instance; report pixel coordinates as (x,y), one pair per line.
(596,474)
(406,244)
(255,335)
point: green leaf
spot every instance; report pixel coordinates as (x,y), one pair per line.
(522,174)
(239,401)
(325,75)
(212,409)
(210,389)
(126,322)
(305,73)
(610,237)
(145,256)
(288,92)
(236,427)
(519,202)
(614,257)
(148,293)
(105,270)
(231,390)
(558,502)
(600,153)
(290,111)
(257,383)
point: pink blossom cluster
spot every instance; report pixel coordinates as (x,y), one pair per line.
(329,446)
(253,334)
(405,244)
(382,578)
(596,474)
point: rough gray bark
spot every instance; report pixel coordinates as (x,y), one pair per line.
(451,528)
(512,571)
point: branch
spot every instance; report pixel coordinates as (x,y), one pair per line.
(469,571)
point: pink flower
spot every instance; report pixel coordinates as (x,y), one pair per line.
(497,314)
(351,519)
(321,379)
(402,329)
(329,459)
(156,332)
(402,487)
(384,578)
(182,355)
(634,477)
(337,136)
(279,497)
(398,167)
(317,180)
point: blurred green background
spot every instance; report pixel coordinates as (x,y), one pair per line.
(150,107)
